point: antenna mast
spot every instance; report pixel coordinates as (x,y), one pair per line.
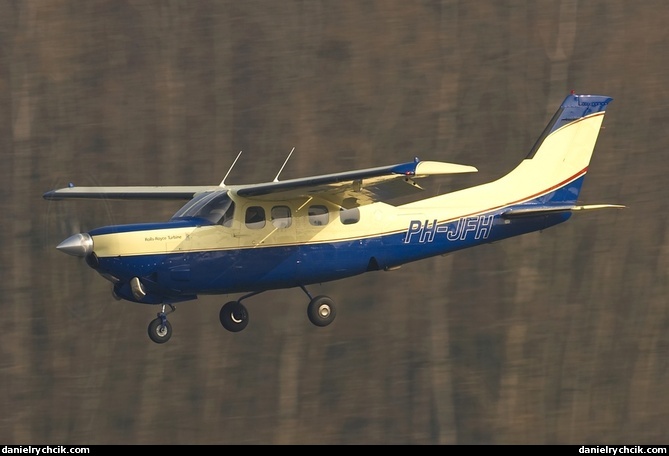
(222,184)
(276,179)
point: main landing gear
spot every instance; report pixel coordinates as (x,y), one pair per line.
(234,317)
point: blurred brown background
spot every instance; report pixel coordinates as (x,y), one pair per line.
(554,337)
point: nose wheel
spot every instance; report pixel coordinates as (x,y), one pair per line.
(160,330)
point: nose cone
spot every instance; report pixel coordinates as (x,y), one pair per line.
(79,245)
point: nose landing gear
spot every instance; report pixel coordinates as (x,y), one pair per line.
(160,330)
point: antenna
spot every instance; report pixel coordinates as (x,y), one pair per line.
(222,184)
(276,179)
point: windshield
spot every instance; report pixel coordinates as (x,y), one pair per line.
(217,207)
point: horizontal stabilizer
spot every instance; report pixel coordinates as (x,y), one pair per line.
(589,207)
(546,210)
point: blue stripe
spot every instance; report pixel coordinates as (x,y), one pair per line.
(567,194)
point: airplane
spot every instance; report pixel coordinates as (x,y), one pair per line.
(281,234)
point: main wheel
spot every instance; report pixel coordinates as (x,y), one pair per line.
(321,311)
(158,332)
(234,316)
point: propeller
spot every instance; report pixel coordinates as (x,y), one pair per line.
(65,222)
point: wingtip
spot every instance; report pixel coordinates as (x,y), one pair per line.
(433,167)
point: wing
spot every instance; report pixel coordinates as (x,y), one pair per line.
(365,186)
(132,193)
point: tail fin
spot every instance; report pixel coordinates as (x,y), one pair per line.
(551,176)
(574,108)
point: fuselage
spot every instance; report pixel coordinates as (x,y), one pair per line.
(254,245)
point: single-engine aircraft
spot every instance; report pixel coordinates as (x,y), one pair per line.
(293,233)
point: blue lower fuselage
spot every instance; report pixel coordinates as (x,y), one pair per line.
(171,277)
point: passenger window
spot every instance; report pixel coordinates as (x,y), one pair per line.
(318,215)
(281,217)
(349,216)
(255,217)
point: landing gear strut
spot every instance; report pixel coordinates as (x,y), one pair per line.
(160,330)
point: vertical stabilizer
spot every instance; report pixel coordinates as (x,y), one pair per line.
(553,171)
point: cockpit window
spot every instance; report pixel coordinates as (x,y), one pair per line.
(217,207)
(226,220)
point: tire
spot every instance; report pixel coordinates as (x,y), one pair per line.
(321,311)
(234,316)
(159,333)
